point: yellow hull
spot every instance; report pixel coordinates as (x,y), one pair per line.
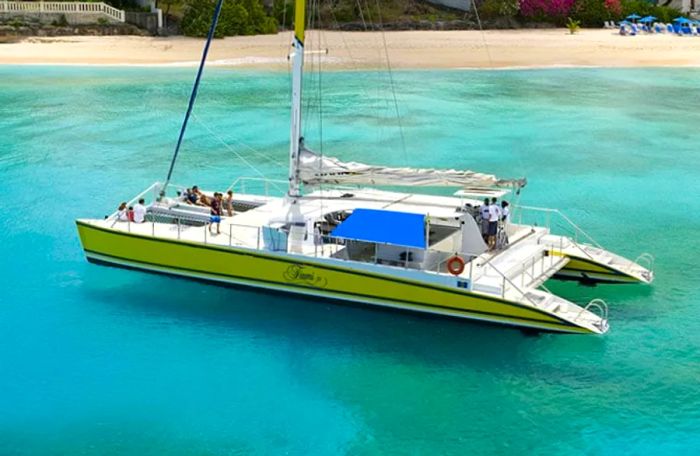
(309,276)
(585,270)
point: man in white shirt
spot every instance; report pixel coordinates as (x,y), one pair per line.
(140,211)
(494,217)
(484,212)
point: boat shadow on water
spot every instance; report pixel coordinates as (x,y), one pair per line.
(321,324)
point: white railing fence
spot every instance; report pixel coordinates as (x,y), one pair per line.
(62,7)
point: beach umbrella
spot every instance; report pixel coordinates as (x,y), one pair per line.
(681,20)
(633,16)
(648,19)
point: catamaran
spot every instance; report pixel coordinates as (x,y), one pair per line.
(338,233)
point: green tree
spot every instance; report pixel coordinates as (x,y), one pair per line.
(167,4)
(238,17)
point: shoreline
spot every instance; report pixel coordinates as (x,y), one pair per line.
(409,50)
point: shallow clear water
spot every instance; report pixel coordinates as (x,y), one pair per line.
(95,360)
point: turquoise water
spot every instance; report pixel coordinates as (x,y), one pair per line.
(101,361)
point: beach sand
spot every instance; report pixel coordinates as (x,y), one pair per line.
(347,50)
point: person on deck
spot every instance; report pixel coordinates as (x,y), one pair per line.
(484,212)
(216,204)
(190,196)
(122,215)
(494,217)
(140,211)
(502,237)
(505,211)
(228,203)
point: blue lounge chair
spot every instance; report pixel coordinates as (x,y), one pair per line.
(658,28)
(686,31)
(669,28)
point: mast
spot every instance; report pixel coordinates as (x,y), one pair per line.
(295,143)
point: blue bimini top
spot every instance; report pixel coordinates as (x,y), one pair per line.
(383,227)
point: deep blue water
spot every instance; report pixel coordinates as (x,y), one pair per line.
(95,360)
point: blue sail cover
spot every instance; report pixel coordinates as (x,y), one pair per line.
(383,227)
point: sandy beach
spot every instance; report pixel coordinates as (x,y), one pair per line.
(347,50)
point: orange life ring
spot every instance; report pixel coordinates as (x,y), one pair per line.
(455,265)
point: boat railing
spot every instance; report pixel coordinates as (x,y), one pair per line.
(506,282)
(245,184)
(153,190)
(645,260)
(469,259)
(601,307)
(585,243)
(578,232)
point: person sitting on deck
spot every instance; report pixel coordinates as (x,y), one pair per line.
(228,203)
(140,211)
(122,214)
(494,217)
(216,204)
(190,197)
(484,212)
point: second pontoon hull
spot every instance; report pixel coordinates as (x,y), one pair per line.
(590,272)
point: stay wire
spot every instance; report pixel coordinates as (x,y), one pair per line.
(391,82)
(483,35)
(193,95)
(231,149)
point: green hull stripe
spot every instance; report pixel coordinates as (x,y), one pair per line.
(315,290)
(324,266)
(593,263)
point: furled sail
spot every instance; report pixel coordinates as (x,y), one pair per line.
(316,170)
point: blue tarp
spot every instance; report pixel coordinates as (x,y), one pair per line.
(384,227)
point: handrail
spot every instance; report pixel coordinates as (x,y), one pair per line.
(242,180)
(647,258)
(152,187)
(577,229)
(599,304)
(503,288)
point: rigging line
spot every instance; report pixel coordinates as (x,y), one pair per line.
(391,82)
(362,16)
(259,153)
(231,149)
(483,35)
(320,84)
(342,36)
(193,95)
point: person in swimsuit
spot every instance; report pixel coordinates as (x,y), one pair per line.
(228,203)
(215,212)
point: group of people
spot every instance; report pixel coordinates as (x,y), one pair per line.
(195,197)
(216,203)
(136,213)
(493,214)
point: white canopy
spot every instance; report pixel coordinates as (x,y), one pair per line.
(316,170)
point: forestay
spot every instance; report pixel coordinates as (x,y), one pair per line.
(316,170)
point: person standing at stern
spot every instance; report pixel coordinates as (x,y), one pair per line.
(216,204)
(494,217)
